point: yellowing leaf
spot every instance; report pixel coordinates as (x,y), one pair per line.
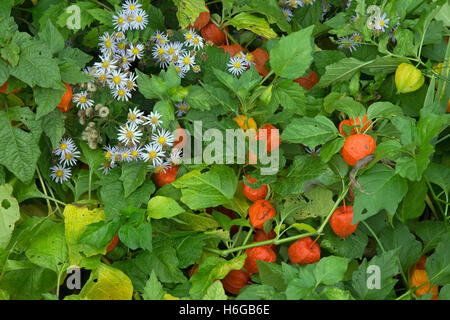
(255,24)
(77,218)
(170,297)
(107,283)
(189,11)
(304,226)
(9,214)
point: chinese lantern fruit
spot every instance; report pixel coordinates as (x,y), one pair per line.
(212,33)
(270,135)
(259,212)
(254,194)
(304,251)
(235,281)
(419,277)
(113,244)
(309,81)
(408,78)
(356,147)
(162,178)
(260,57)
(245,124)
(202,20)
(351,123)
(420,264)
(64,104)
(258,253)
(260,235)
(232,49)
(341,221)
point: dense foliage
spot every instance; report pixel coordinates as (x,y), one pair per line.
(350,101)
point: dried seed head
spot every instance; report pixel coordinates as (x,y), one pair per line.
(91,87)
(103,112)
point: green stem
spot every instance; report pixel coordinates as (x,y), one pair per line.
(44,189)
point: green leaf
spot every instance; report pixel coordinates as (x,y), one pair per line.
(430,232)
(153,288)
(330,148)
(384,190)
(333,293)
(292,55)
(310,131)
(253,23)
(438,264)
(36,66)
(385,267)
(48,249)
(303,286)
(341,71)
(215,292)
(47,100)
(438,174)
(151,87)
(352,247)
(189,11)
(19,149)
(9,214)
(271,274)
(133,176)
(163,207)
(71,73)
(256,292)
(104,16)
(136,237)
(413,205)
(410,249)
(53,126)
(383,110)
(349,106)
(330,270)
(272,11)
(198,98)
(209,189)
(166,109)
(52,37)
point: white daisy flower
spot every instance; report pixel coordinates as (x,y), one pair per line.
(153,119)
(135,116)
(197,42)
(121,94)
(106,65)
(159,51)
(381,24)
(189,36)
(82,100)
(163,137)
(158,36)
(102,77)
(347,43)
(164,62)
(123,59)
(173,49)
(125,155)
(309,2)
(70,158)
(91,73)
(110,152)
(136,51)
(121,47)
(60,174)
(106,167)
(107,44)
(119,36)
(236,65)
(182,108)
(116,79)
(161,167)
(294,3)
(357,38)
(131,5)
(129,134)
(65,145)
(136,152)
(196,69)
(130,82)
(186,61)
(140,20)
(153,154)
(356,17)
(287,14)
(181,71)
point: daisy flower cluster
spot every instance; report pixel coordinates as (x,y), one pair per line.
(289,5)
(67,155)
(239,63)
(182,108)
(117,55)
(179,54)
(141,138)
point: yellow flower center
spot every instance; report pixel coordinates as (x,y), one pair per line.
(249,57)
(134,153)
(152,154)
(121,92)
(154,120)
(162,140)
(381,23)
(83,99)
(68,156)
(108,44)
(116,79)
(106,165)
(189,36)
(108,155)
(103,77)
(196,40)
(125,155)
(121,46)
(237,65)
(130,84)
(121,20)
(182,108)
(60,173)
(132,7)
(187,60)
(105,64)
(171,51)
(129,134)
(63,146)
(135,51)
(138,19)
(132,117)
